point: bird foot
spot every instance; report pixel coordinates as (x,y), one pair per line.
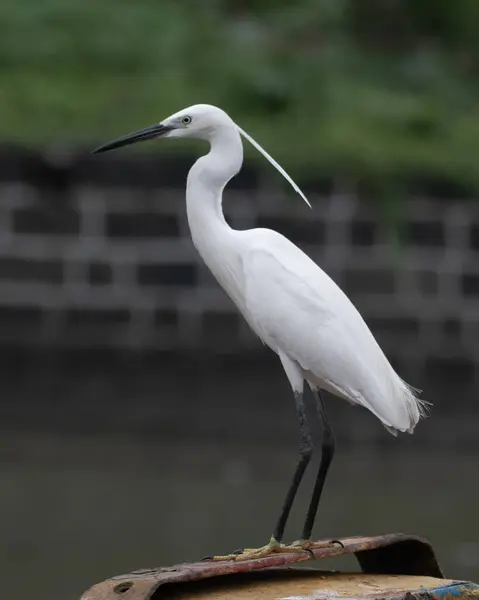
(308,545)
(272,547)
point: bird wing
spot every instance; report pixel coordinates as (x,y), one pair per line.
(295,307)
(282,290)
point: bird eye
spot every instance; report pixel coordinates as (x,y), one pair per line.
(186,120)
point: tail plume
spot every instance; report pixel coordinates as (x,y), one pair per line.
(415,407)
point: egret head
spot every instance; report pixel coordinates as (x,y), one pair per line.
(199,121)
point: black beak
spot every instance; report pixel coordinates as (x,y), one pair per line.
(149,133)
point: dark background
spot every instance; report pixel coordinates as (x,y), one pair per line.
(142,423)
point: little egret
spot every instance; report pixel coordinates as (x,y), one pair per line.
(288,301)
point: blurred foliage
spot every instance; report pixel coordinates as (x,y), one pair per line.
(379,90)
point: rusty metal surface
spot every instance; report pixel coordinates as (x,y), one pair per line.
(392,553)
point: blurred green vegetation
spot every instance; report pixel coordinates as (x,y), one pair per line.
(380,89)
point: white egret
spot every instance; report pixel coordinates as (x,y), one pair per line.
(288,301)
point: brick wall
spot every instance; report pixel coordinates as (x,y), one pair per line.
(98,253)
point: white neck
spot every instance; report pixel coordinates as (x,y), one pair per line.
(208,177)
(211,235)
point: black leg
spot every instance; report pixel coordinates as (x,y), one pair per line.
(305,452)
(327,453)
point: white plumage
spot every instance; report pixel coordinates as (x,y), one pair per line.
(288,300)
(293,306)
(299,311)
